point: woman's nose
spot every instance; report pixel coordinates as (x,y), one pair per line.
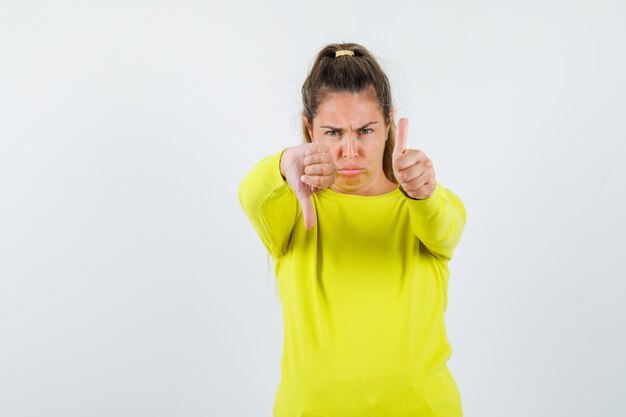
(349,147)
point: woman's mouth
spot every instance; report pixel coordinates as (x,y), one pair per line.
(349,171)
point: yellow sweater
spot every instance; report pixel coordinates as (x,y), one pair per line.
(363,295)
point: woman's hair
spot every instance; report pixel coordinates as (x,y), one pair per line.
(358,73)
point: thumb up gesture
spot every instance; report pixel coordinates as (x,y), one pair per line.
(308,168)
(413,170)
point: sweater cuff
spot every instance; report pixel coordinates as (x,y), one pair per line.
(430,205)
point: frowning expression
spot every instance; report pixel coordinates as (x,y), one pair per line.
(354,129)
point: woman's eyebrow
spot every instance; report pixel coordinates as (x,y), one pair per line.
(341,129)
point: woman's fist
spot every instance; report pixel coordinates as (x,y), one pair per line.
(308,168)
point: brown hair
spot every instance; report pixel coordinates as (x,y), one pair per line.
(358,73)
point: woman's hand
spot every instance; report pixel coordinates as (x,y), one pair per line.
(308,168)
(413,170)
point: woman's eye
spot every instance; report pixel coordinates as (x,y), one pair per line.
(332,133)
(366,130)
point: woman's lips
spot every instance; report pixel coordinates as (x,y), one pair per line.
(349,171)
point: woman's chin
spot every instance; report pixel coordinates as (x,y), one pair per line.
(345,186)
(353,178)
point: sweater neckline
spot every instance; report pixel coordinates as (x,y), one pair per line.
(334,195)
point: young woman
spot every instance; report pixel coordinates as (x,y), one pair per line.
(361,234)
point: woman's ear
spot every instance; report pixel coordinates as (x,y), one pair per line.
(308,127)
(389,123)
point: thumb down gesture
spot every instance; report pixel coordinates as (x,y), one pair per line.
(413,170)
(308,168)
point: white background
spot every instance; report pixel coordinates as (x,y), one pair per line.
(131,282)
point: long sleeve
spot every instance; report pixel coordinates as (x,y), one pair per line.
(270,204)
(438,221)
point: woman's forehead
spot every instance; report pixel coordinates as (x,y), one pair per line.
(343,109)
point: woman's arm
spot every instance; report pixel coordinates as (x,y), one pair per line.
(270,204)
(438,221)
(437,215)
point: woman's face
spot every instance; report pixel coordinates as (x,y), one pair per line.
(354,129)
